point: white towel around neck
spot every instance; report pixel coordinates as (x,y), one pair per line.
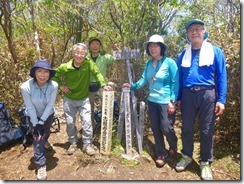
(206,55)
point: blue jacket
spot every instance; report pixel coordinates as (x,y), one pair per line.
(39,102)
(163,81)
(213,75)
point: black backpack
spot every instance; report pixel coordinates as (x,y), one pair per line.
(25,126)
(10,132)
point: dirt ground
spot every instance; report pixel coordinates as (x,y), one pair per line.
(17,163)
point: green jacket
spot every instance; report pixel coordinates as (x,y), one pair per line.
(102,61)
(77,80)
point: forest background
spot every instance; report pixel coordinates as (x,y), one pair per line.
(47,29)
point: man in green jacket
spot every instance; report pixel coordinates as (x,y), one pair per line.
(102,61)
(73,79)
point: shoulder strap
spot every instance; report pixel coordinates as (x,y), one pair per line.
(6,115)
(4,111)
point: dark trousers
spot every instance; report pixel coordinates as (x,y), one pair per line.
(162,124)
(40,140)
(198,106)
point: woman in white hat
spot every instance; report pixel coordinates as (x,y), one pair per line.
(39,94)
(161,74)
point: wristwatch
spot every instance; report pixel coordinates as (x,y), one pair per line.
(173,102)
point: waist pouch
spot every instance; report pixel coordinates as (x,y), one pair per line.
(94,86)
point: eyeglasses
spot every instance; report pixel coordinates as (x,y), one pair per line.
(197,30)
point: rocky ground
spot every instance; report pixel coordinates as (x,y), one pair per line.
(17,162)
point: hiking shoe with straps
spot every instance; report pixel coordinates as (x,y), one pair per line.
(72,149)
(42,173)
(183,163)
(89,149)
(160,162)
(206,173)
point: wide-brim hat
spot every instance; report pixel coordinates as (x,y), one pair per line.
(156,39)
(94,38)
(196,21)
(42,64)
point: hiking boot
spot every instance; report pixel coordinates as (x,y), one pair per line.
(172,152)
(72,149)
(42,173)
(48,146)
(89,149)
(160,162)
(206,173)
(183,163)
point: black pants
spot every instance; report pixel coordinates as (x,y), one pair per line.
(39,142)
(162,124)
(198,105)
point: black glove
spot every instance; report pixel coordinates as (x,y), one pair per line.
(39,130)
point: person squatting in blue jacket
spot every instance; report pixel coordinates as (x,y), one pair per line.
(39,95)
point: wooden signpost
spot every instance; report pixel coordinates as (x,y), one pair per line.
(107,122)
(128,130)
(128,108)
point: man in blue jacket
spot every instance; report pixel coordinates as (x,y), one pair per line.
(202,94)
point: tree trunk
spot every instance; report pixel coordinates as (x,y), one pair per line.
(6,24)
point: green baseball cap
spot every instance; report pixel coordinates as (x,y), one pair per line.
(194,21)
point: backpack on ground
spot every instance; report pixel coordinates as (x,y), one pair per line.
(10,132)
(98,117)
(25,127)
